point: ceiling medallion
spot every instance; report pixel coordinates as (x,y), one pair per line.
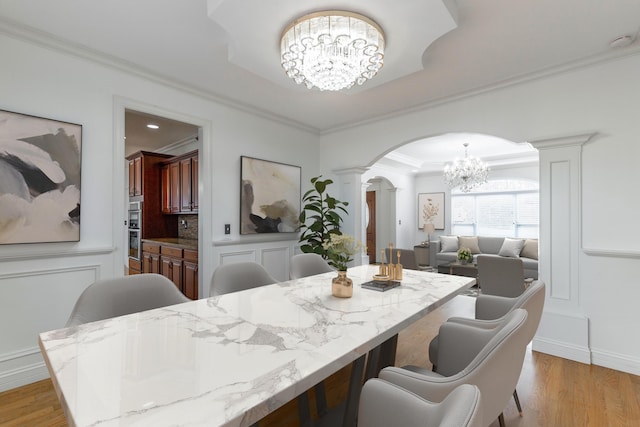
(332,50)
(467,173)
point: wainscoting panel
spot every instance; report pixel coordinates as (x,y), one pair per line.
(276,261)
(273,254)
(237,256)
(35,301)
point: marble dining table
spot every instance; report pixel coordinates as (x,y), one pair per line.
(230,360)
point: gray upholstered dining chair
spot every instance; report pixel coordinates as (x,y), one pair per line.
(489,358)
(304,265)
(503,276)
(407,258)
(238,276)
(383,404)
(109,298)
(491,308)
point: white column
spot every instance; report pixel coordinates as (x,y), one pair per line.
(352,191)
(564,328)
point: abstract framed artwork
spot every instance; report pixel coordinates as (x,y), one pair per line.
(39,179)
(431,209)
(269,196)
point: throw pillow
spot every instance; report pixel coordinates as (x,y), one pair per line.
(448,243)
(530,249)
(511,248)
(470,242)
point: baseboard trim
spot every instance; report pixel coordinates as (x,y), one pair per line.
(561,349)
(23,376)
(616,361)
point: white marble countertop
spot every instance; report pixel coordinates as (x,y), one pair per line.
(229,360)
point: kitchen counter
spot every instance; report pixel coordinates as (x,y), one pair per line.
(174,241)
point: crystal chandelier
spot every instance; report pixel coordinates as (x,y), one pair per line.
(467,173)
(332,50)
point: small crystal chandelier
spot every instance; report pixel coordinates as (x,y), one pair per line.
(467,173)
(332,50)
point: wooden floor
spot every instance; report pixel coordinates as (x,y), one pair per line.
(554,392)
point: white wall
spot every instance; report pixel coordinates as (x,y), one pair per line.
(39,283)
(599,98)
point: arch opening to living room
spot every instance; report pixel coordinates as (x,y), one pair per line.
(416,167)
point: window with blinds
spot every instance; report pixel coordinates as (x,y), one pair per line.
(501,208)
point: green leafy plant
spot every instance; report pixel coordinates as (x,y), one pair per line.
(340,250)
(320,217)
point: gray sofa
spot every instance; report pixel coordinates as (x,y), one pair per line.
(491,246)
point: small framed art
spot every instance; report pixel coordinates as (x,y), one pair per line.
(431,210)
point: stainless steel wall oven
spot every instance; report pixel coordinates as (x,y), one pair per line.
(135,230)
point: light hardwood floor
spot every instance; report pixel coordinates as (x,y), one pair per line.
(554,392)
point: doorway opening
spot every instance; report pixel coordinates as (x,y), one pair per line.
(371,226)
(154,148)
(380,211)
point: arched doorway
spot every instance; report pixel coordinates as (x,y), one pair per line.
(380,216)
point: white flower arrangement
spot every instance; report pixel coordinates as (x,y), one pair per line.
(464,254)
(340,249)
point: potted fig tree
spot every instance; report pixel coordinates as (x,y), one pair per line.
(320,217)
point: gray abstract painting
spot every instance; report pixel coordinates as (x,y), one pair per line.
(39,179)
(269,196)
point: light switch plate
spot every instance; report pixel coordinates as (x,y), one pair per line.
(227,229)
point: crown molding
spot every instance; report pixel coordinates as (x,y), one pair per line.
(570,66)
(31,35)
(562,141)
(358,170)
(405,160)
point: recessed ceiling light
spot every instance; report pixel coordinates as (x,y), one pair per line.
(152,126)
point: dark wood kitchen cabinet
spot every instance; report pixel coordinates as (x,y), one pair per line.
(180,184)
(135,177)
(171,188)
(189,184)
(145,182)
(190,274)
(150,258)
(143,172)
(180,265)
(171,264)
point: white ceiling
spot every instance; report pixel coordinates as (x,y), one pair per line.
(140,137)
(197,44)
